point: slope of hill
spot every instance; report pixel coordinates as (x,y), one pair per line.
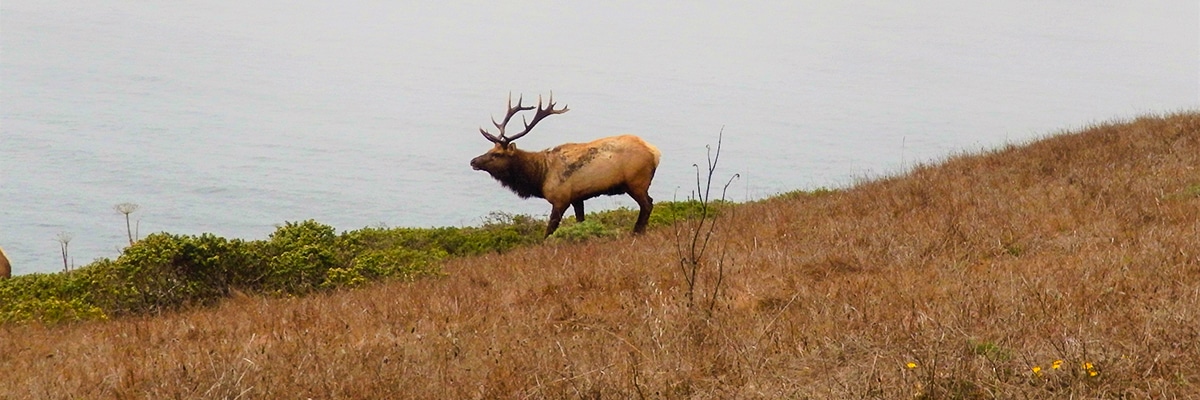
(1068,267)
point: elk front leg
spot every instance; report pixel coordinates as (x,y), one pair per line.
(578,206)
(556,214)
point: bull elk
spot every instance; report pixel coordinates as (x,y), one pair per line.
(568,174)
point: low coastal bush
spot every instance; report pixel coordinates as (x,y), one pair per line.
(48,297)
(164,271)
(578,232)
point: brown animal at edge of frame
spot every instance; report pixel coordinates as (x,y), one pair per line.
(568,174)
(5,265)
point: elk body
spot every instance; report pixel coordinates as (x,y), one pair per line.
(5,266)
(568,174)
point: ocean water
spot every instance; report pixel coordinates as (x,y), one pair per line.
(232,117)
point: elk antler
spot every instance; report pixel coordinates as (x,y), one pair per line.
(508,116)
(541,113)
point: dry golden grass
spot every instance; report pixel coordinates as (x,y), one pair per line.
(953,281)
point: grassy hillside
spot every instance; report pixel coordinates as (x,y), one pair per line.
(1069,267)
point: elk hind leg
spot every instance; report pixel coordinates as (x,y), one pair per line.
(642,197)
(578,206)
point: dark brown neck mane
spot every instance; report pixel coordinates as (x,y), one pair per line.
(525,175)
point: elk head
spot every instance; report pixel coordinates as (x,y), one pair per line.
(497,160)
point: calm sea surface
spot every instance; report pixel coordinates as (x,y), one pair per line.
(231,117)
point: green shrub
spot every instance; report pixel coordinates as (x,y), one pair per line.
(164,271)
(797,194)
(42,286)
(298,257)
(343,278)
(669,212)
(395,263)
(581,231)
(501,232)
(298,270)
(50,298)
(620,220)
(52,310)
(293,235)
(520,224)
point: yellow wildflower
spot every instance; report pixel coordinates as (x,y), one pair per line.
(1037,370)
(911,365)
(1056,365)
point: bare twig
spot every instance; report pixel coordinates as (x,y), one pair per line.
(702,230)
(64,239)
